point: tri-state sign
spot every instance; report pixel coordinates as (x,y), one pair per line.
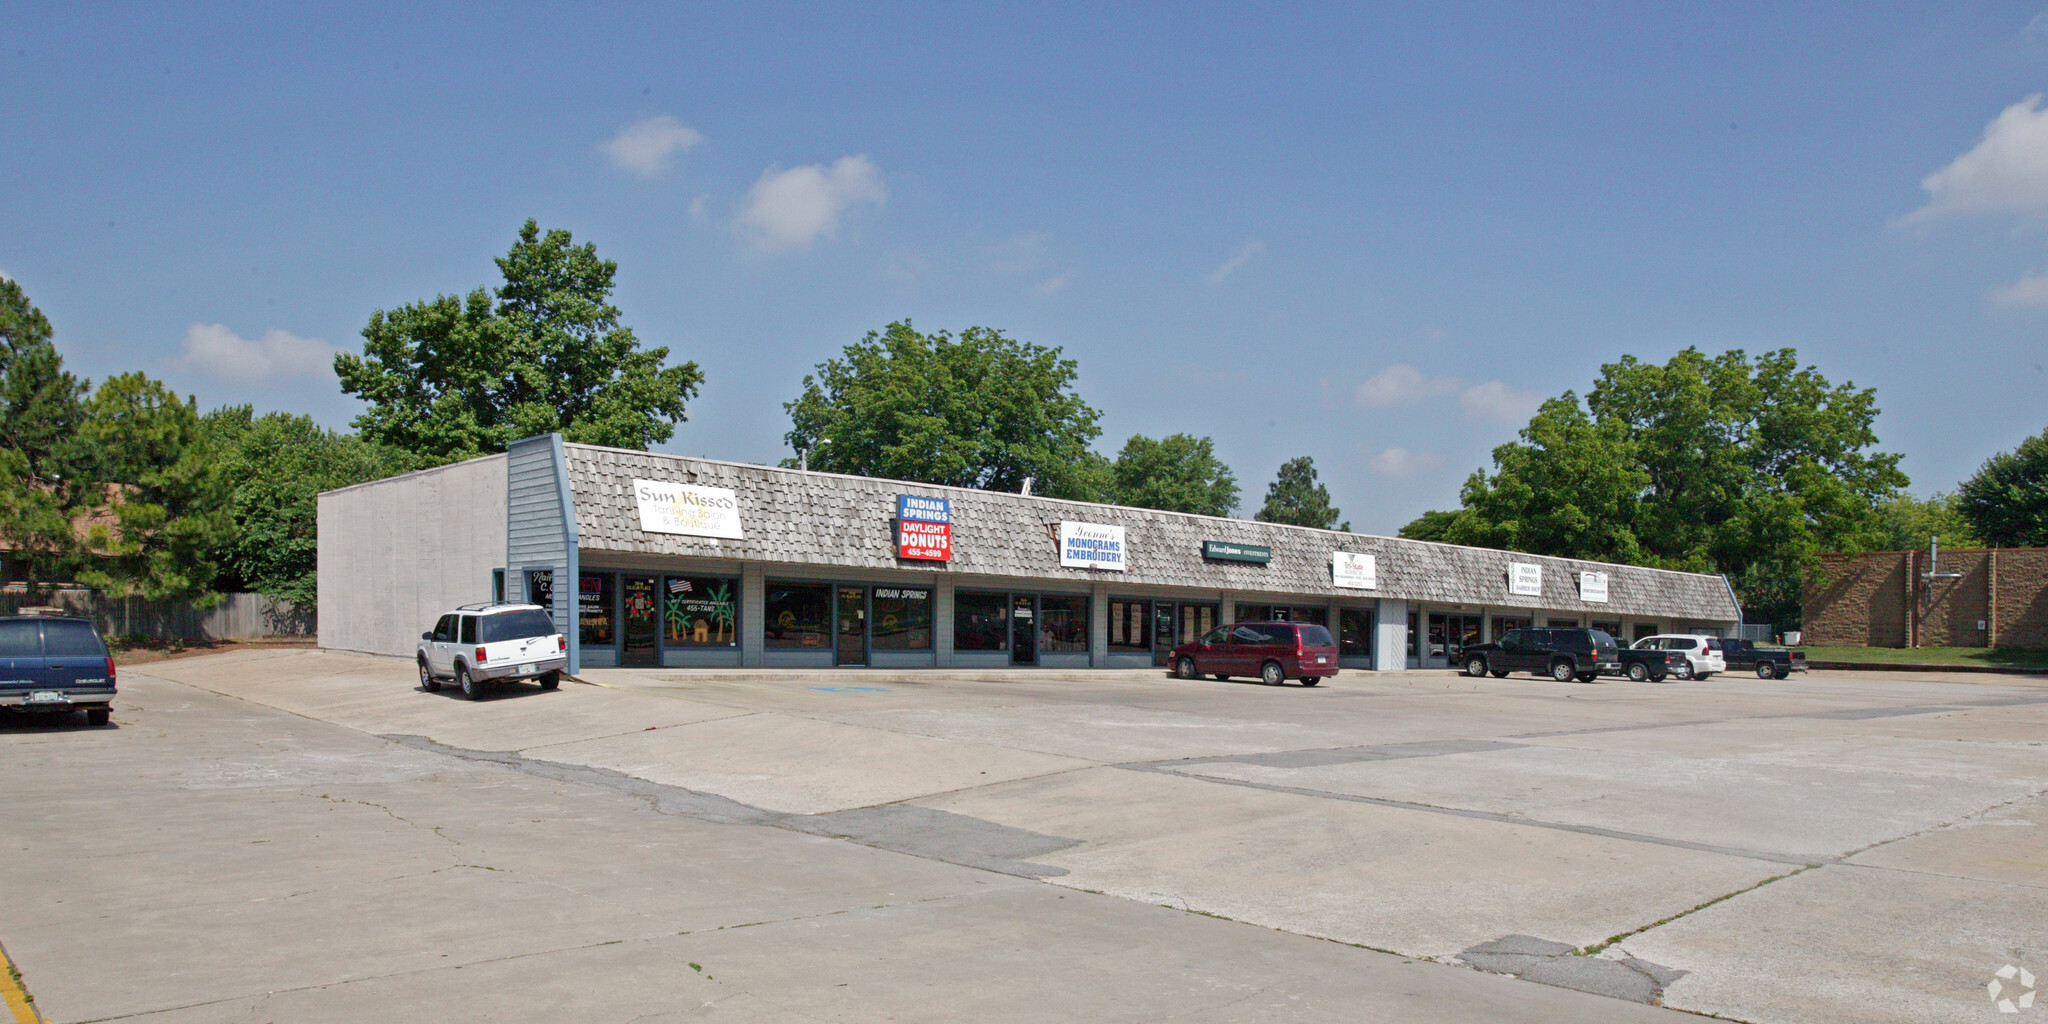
(924,528)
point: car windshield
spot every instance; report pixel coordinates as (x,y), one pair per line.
(1316,636)
(516,625)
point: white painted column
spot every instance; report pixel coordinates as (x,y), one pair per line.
(1226,608)
(1390,639)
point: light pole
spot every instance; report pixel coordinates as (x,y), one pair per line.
(803,455)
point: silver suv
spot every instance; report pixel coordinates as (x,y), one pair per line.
(478,644)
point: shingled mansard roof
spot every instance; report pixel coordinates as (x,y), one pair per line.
(827,519)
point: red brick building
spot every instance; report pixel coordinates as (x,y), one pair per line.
(1999,598)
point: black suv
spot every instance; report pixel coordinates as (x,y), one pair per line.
(1561,654)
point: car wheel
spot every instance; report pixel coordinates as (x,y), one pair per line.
(1587,677)
(98,716)
(1185,668)
(427,680)
(1703,676)
(1475,667)
(1684,670)
(1499,673)
(550,680)
(1764,670)
(1782,672)
(1638,672)
(1311,680)
(472,687)
(1222,676)
(1562,671)
(1272,674)
(1660,677)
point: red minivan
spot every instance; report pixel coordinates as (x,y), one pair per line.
(1273,651)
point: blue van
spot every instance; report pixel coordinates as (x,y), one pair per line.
(54,665)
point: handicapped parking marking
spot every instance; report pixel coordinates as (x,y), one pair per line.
(852,689)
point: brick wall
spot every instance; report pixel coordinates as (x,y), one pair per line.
(2023,598)
(1877,600)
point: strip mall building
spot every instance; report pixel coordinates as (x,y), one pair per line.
(662,560)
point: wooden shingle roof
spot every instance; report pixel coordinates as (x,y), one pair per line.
(827,519)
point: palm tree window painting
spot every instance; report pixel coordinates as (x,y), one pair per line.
(700,611)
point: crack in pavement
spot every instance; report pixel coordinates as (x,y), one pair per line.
(1496,816)
(898,827)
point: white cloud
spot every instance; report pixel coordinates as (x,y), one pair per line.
(222,353)
(1497,401)
(2030,292)
(1402,462)
(1245,253)
(1403,383)
(699,207)
(1056,283)
(792,209)
(2006,172)
(646,146)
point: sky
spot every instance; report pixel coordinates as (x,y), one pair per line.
(1374,235)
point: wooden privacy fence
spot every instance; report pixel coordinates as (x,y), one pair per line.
(236,617)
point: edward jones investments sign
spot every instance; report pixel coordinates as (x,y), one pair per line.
(691,511)
(924,528)
(1091,546)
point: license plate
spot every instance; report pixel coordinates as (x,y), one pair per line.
(47,697)
(1322,659)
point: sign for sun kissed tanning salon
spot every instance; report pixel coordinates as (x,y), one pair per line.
(691,511)
(924,528)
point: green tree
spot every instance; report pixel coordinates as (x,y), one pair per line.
(40,410)
(277,465)
(1750,467)
(2007,501)
(982,410)
(1296,498)
(1178,473)
(165,494)
(1909,523)
(450,379)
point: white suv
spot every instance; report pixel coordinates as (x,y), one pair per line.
(1702,653)
(478,643)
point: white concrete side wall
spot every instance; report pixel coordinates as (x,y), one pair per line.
(396,553)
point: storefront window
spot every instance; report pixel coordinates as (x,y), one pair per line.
(1503,623)
(981,622)
(1282,613)
(1195,620)
(594,610)
(1354,633)
(1644,629)
(903,618)
(1062,624)
(1612,629)
(700,611)
(799,616)
(540,588)
(1412,623)
(1130,627)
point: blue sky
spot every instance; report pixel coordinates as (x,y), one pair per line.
(1373,235)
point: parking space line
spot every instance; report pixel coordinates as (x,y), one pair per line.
(19,1007)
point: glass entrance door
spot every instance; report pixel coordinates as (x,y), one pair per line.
(643,621)
(1024,629)
(853,625)
(1163,640)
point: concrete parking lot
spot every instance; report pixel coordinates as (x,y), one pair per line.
(296,835)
